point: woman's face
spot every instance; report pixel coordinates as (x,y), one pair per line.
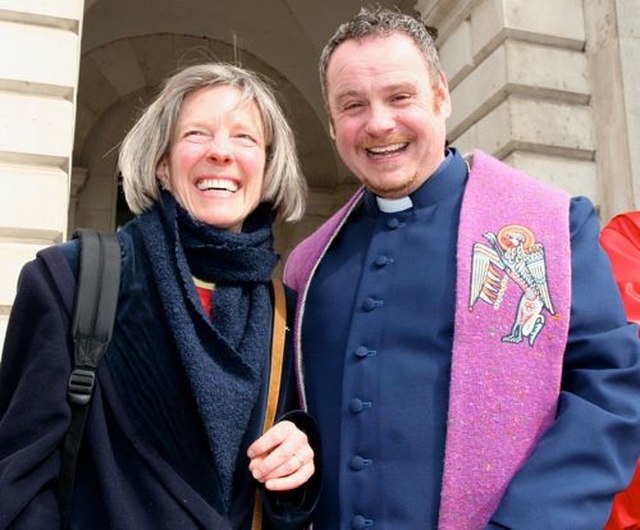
(216,164)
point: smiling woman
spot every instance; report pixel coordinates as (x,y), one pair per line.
(216,161)
(151,138)
(178,435)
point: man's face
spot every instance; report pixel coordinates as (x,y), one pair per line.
(387,120)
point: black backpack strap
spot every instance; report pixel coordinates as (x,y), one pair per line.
(93,319)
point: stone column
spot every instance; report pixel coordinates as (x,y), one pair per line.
(613,48)
(520,85)
(38,83)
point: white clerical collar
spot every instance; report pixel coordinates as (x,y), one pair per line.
(394,205)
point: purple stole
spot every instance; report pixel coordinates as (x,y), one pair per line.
(503,394)
(513,303)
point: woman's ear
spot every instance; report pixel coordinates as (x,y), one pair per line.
(162,173)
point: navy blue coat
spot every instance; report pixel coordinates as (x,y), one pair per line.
(126,478)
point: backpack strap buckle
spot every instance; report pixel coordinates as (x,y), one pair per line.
(80,387)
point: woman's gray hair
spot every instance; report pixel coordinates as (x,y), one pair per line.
(150,138)
(381,22)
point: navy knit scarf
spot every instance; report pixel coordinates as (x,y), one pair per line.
(224,358)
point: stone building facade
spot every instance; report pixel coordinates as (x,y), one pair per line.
(548,86)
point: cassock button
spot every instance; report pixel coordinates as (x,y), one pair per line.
(359,522)
(357,405)
(358,463)
(363,352)
(369,304)
(393,223)
(383,261)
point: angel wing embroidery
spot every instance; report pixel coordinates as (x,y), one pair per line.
(512,254)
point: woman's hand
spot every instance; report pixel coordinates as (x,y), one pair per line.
(281,458)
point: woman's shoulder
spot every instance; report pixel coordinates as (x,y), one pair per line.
(70,250)
(62,261)
(58,264)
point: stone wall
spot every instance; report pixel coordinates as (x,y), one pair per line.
(38,79)
(547,87)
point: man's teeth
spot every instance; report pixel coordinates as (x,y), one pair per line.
(387,148)
(217,184)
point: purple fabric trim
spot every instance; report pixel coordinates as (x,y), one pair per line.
(503,395)
(298,271)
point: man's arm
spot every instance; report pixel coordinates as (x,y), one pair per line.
(589,452)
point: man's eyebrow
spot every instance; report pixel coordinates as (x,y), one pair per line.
(405,85)
(347,94)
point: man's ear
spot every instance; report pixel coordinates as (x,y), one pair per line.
(442,96)
(332,130)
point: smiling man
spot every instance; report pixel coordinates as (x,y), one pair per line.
(459,335)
